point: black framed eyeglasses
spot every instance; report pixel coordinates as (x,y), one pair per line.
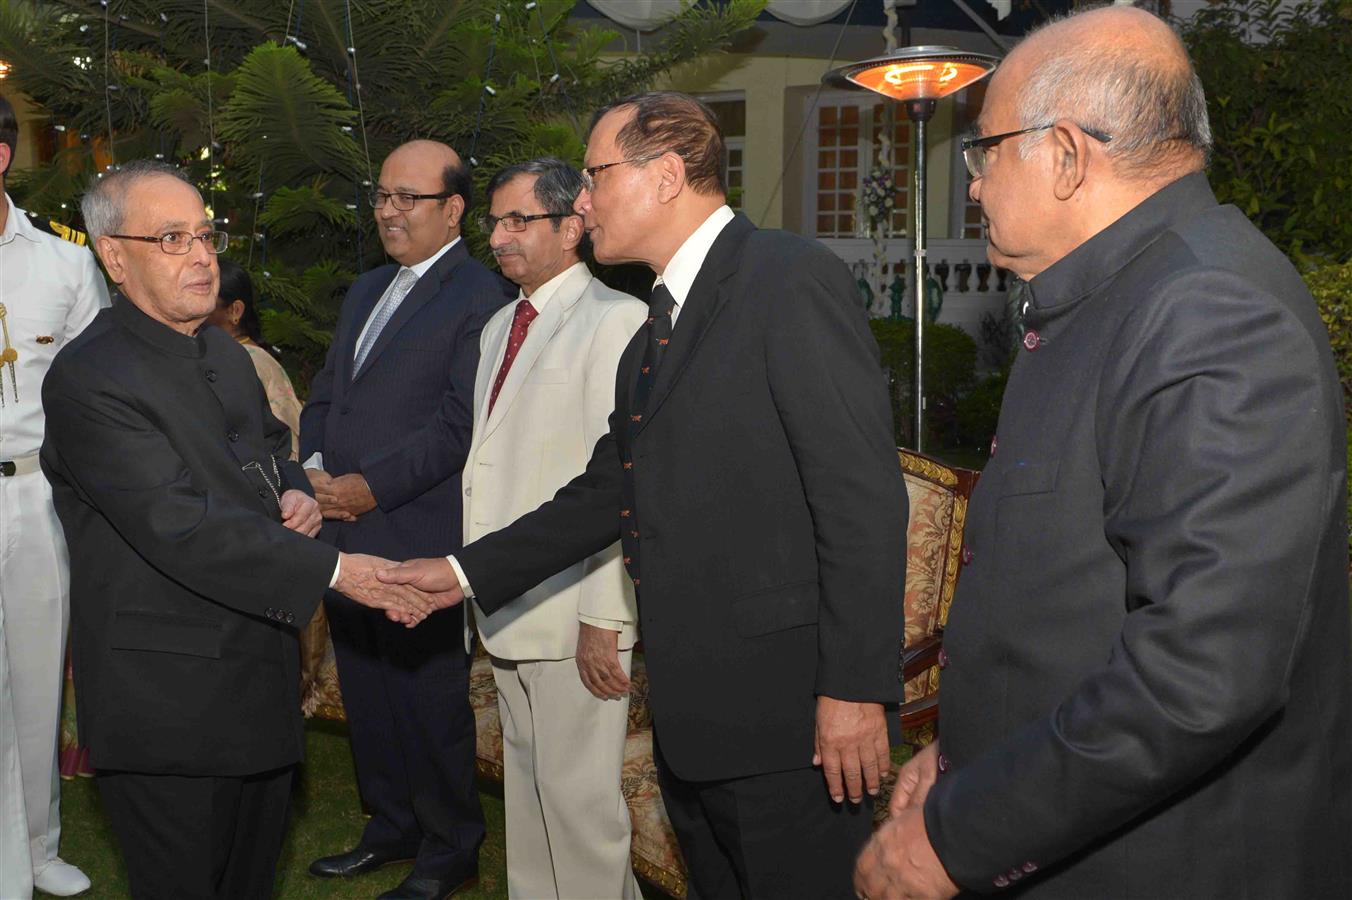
(590,172)
(179,243)
(402,200)
(974,148)
(516,221)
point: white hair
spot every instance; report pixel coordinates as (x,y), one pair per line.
(104,204)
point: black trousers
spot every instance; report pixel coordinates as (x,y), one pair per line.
(198,838)
(406,694)
(775,836)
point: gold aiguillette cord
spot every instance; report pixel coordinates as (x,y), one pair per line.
(8,357)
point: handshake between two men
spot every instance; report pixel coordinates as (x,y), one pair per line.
(408,592)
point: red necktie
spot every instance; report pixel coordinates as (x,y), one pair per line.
(525,314)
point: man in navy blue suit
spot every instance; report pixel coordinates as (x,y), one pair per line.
(384,437)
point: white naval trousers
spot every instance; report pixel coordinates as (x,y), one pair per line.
(35,604)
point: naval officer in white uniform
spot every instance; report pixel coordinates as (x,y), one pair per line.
(50,289)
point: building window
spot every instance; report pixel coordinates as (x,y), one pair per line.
(730,110)
(736,150)
(845,132)
(966,215)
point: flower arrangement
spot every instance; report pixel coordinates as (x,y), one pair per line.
(879,195)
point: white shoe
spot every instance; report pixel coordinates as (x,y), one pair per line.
(60,879)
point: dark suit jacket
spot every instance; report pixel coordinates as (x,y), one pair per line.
(186,591)
(772,510)
(404,420)
(1150,678)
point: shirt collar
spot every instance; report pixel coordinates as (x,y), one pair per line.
(545,292)
(1083,270)
(679,275)
(17,224)
(420,269)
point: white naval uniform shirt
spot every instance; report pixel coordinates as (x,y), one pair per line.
(51,290)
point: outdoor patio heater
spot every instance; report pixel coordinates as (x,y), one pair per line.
(916,77)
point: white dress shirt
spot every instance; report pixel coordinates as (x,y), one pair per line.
(679,275)
(545,292)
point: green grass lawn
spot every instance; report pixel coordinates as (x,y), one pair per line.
(325,818)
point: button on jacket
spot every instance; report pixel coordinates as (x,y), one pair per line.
(185,587)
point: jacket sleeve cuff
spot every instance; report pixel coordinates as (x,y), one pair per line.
(607,624)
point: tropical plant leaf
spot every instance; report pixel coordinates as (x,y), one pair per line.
(280,110)
(307,208)
(301,97)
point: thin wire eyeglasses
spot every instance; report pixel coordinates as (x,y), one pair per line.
(179,243)
(589,173)
(974,148)
(402,200)
(516,221)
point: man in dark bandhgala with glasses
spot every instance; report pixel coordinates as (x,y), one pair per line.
(192,558)
(384,436)
(1148,689)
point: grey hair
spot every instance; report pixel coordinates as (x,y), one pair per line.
(104,204)
(1151,111)
(556,187)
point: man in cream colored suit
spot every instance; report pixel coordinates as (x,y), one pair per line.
(561,653)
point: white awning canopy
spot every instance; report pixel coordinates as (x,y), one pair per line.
(648,15)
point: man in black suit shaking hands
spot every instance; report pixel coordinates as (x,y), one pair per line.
(191,554)
(750,473)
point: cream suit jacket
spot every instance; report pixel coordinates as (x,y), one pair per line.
(552,409)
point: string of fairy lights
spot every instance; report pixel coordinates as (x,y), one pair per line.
(108,85)
(293,35)
(487,89)
(211,116)
(354,89)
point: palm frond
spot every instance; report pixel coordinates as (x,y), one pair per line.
(304,209)
(282,112)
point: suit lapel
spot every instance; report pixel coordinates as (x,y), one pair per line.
(707,296)
(494,348)
(541,331)
(428,286)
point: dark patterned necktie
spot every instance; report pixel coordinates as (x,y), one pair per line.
(658,326)
(521,319)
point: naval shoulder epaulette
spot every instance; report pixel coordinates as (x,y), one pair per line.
(52,227)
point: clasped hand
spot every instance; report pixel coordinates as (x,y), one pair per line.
(899,862)
(343,498)
(301,513)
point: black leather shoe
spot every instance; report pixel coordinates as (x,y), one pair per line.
(359,861)
(418,888)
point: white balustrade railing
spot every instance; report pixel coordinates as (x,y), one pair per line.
(972,286)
